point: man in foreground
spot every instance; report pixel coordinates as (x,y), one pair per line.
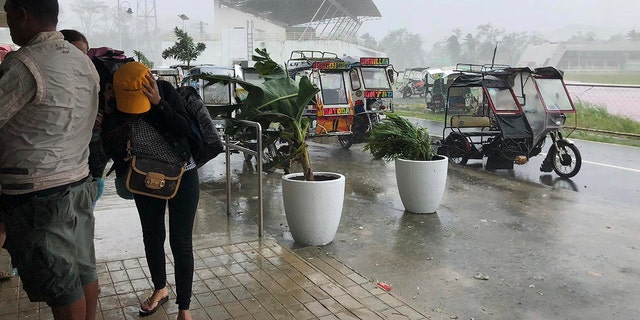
(48,104)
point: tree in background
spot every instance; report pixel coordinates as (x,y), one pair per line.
(143,59)
(479,48)
(470,44)
(368,41)
(90,13)
(104,25)
(582,37)
(633,35)
(511,47)
(403,48)
(453,48)
(487,38)
(185,49)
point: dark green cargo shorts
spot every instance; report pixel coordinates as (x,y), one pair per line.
(50,240)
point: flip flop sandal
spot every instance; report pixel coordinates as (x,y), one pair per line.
(4,275)
(152,311)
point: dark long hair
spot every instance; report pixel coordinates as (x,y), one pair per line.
(74,35)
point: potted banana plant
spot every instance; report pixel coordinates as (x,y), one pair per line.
(421,174)
(313,200)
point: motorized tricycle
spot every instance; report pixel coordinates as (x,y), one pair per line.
(171,75)
(509,115)
(413,82)
(353,95)
(437,81)
(373,97)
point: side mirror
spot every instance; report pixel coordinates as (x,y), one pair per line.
(391,75)
(522,100)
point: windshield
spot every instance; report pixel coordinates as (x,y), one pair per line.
(375,78)
(215,94)
(413,74)
(333,90)
(502,99)
(252,77)
(173,79)
(533,108)
(554,95)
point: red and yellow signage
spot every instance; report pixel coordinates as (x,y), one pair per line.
(335,111)
(331,65)
(372,94)
(374,61)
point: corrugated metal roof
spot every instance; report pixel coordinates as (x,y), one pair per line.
(604,46)
(539,55)
(296,12)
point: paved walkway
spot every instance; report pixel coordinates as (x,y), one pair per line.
(248,280)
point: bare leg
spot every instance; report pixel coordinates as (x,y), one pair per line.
(91,299)
(3,235)
(84,308)
(184,315)
(75,311)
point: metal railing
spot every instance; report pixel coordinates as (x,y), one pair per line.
(258,154)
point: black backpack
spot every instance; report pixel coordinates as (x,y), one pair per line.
(107,61)
(204,141)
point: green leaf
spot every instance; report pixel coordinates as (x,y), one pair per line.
(278,99)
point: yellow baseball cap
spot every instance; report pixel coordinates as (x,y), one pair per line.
(127,85)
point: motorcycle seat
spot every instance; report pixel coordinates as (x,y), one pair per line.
(461,122)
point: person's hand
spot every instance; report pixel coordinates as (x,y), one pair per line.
(150,89)
(100,182)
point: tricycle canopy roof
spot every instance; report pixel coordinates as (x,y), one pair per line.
(479,80)
(543,72)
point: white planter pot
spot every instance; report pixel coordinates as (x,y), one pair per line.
(313,208)
(421,184)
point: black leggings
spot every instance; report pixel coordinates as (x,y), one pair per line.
(182,212)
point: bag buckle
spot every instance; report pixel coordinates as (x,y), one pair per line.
(154,180)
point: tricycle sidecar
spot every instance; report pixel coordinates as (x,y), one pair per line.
(354,93)
(504,115)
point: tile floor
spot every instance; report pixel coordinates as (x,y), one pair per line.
(248,280)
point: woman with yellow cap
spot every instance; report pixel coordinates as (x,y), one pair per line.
(157,126)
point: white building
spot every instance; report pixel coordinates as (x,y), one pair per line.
(237,27)
(230,29)
(614,56)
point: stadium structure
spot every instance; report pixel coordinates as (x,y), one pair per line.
(281,26)
(593,56)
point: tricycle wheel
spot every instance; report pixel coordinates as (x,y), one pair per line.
(461,160)
(345,141)
(566,159)
(456,148)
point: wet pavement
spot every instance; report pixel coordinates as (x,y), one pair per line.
(498,248)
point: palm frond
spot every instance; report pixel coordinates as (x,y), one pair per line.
(396,137)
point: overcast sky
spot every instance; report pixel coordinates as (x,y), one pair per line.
(434,17)
(437,19)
